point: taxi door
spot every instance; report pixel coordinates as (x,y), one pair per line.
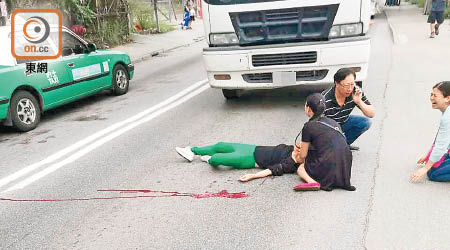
(88,71)
(49,77)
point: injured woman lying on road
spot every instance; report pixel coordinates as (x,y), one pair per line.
(323,159)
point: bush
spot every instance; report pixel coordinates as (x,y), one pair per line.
(109,34)
(164,27)
(141,13)
(421,3)
(447,13)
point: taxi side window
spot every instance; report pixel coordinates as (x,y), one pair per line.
(71,45)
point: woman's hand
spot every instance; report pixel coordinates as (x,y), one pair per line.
(419,174)
(422,160)
(260,174)
(296,157)
(247,177)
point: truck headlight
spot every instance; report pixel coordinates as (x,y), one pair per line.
(223,39)
(346,30)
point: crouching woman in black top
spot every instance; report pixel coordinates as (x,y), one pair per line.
(323,152)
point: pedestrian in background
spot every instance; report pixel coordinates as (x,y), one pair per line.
(186,20)
(341,99)
(191,16)
(389,2)
(437,161)
(436,17)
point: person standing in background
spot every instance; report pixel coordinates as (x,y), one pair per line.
(436,17)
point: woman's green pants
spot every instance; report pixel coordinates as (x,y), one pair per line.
(229,154)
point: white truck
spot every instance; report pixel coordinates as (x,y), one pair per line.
(266,44)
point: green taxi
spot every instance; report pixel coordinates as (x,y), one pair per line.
(82,70)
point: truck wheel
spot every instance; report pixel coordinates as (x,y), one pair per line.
(25,111)
(231,93)
(120,80)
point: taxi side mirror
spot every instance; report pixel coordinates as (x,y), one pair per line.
(91,47)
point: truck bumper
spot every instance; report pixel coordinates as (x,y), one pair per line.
(246,73)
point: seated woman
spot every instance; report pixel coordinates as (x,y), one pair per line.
(281,159)
(323,151)
(437,161)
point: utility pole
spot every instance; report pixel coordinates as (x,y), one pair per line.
(155,7)
(170,10)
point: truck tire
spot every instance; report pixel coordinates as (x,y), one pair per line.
(231,93)
(25,111)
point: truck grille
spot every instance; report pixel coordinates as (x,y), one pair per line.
(284,25)
(309,75)
(284,59)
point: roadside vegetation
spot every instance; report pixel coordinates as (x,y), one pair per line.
(104,29)
(421,4)
(143,18)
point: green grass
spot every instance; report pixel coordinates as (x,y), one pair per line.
(447,13)
(164,27)
(110,34)
(143,15)
(421,3)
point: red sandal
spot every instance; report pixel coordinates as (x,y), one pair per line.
(307,187)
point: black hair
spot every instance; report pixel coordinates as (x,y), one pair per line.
(341,74)
(444,87)
(317,104)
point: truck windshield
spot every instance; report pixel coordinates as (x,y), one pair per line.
(233,2)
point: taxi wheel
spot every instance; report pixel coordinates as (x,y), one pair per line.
(120,80)
(25,111)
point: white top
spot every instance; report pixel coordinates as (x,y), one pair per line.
(442,143)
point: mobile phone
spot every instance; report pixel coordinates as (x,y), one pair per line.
(358,85)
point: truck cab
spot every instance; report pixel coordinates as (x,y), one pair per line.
(266,44)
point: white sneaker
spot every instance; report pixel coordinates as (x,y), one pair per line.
(186,153)
(205,158)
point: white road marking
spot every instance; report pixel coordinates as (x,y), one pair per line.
(112,131)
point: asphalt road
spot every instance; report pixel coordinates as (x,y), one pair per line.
(75,203)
